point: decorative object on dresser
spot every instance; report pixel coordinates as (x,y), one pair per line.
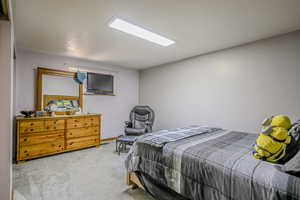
(42,136)
(27,113)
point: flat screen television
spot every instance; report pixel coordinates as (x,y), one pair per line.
(100,84)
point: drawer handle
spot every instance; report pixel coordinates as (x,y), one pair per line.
(25,151)
(54,127)
(31,129)
(54,122)
(25,139)
(47,127)
(75,125)
(59,146)
(31,124)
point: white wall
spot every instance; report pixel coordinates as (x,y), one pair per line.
(6,71)
(234,88)
(115,109)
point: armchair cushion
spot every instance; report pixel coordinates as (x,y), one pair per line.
(139,124)
(135,131)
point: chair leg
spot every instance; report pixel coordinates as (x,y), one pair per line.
(120,147)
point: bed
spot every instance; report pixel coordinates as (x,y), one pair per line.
(210,164)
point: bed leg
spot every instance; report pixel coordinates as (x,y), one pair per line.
(134,186)
(132,180)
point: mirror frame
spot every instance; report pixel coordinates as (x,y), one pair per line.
(53,72)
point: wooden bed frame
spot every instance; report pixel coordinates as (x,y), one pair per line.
(133,180)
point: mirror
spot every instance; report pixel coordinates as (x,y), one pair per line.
(58,89)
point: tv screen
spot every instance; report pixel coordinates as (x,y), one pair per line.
(100,83)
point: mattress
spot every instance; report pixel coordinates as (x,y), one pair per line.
(213,165)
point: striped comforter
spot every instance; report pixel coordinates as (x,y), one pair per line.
(214,165)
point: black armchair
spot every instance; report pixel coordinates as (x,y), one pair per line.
(141,121)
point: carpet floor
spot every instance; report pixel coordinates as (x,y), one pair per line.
(90,174)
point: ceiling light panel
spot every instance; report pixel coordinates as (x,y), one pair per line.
(137,31)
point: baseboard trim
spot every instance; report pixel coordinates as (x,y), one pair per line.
(108,139)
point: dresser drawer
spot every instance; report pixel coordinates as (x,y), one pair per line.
(82,132)
(54,124)
(32,129)
(82,142)
(76,123)
(31,126)
(38,139)
(40,133)
(31,123)
(32,151)
(92,121)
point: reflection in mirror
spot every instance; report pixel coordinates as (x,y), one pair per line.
(60,103)
(60,93)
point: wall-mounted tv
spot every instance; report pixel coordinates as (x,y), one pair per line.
(100,84)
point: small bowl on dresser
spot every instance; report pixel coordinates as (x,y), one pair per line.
(27,113)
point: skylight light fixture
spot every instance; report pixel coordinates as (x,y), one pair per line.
(137,31)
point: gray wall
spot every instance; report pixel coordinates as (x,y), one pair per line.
(115,109)
(6,71)
(234,88)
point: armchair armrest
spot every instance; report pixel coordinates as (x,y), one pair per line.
(148,127)
(128,124)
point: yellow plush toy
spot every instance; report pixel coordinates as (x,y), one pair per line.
(273,139)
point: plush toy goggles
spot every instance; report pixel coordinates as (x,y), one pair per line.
(267,128)
(267,121)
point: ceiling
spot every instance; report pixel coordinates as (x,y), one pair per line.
(78,28)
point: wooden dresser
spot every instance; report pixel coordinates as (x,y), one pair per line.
(41,136)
